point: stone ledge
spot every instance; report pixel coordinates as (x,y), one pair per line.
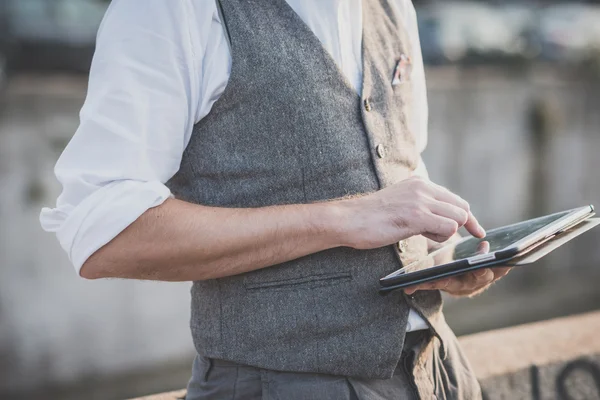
(180,394)
(556,359)
(541,343)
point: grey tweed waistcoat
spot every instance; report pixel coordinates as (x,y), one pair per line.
(290,129)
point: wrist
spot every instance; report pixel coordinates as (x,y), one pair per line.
(345,225)
(332,221)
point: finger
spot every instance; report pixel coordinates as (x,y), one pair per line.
(455,285)
(441,284)
(442,194)
(476,279)
(483,276)
(448,210)
(501,272)
(470,283)
(437,227)
(483,247)
(435,238)
(435,285)
(413,289)
(410,290)
(474,227)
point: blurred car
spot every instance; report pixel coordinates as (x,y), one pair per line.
(522,22)
(55,34)
(467,31)
(570,32)
(3,65)
(430,36)
(5,48)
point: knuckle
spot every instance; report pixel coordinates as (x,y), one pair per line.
(460,202)
(466,205)
(463,217)
(449,228)
(487,277)
(419,211)
(419,183)
(419,195)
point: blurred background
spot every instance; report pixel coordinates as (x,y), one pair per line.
(514,93)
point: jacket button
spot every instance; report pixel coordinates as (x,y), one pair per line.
(380,150)
(368,106)
(402,246)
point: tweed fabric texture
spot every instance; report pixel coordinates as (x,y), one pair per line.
(290,129)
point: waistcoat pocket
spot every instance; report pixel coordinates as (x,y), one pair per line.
(306,282)
(404,89)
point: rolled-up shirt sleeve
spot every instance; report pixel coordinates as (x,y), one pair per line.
(137,118)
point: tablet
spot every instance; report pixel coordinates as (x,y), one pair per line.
(497,248)
(528,256)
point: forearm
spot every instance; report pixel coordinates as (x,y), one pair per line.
(180,241)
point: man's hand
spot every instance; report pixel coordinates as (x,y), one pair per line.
(411,207)
(418,207)
(469,284)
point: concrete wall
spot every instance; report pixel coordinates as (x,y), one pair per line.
(519,144)
(54,327)
(58,329)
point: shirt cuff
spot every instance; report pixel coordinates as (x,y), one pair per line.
(99,218)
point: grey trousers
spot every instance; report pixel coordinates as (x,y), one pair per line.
(420,374)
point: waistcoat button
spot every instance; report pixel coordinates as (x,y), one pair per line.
(380,150)
(368,106)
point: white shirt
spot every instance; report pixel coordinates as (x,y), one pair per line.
(159,67)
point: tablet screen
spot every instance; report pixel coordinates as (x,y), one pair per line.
(501,238)
(496,240)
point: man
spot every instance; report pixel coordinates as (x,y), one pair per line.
(269,151)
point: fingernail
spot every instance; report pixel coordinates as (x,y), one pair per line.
(480,273)
(482,232)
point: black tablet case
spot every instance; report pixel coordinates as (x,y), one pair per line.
(528,257)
